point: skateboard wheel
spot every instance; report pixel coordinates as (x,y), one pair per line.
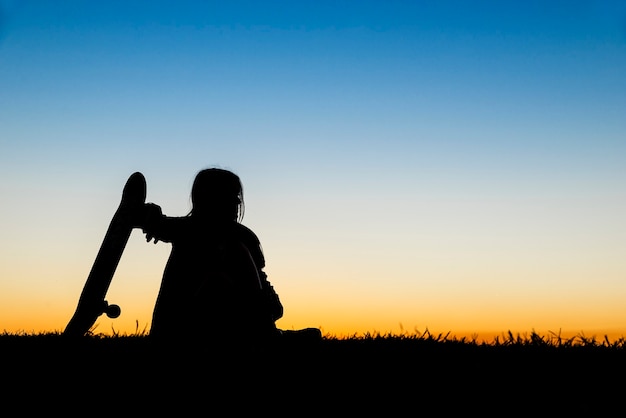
(113,311)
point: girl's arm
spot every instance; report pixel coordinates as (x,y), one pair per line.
(157,226)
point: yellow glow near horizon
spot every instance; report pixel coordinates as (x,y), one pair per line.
(440,299)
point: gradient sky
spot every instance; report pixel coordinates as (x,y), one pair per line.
(408,165)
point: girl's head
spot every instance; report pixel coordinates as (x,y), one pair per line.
(217,193)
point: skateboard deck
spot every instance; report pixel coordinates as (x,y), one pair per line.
(92,301)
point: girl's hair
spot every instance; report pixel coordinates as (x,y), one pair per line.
(217,191)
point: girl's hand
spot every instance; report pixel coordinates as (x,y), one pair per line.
(151,214)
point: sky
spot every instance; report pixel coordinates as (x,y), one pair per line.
(449,166)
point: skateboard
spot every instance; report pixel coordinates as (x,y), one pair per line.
(92,301)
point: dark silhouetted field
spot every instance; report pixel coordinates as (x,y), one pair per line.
(384,375)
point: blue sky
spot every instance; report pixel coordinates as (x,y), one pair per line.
(444,146)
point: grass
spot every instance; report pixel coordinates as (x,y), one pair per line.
(415,339)
(532,339)
(375,373)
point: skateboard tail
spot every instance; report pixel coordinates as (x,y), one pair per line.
(84,318)
(91,303)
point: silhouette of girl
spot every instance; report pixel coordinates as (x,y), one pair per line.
(213,280)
